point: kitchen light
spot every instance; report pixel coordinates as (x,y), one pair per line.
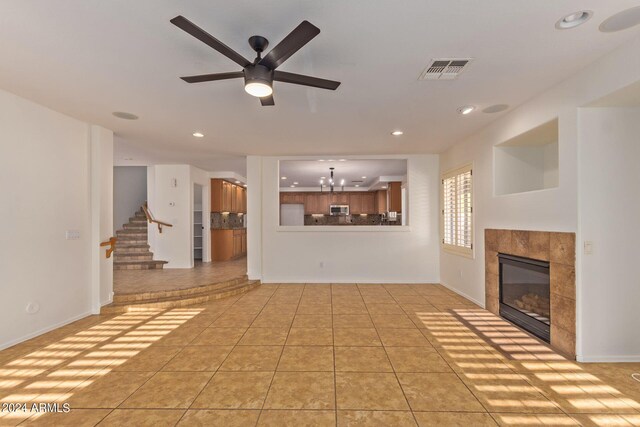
(342,160)
(283,177)
(397,133)
(467,109)
(198,134)
(322,181)
(292,186)
(238,182)
(245,185)
(357,185)
(342,183)
(384,187)
(295,183)
(574,19)
(323,177)
(321,160)
(364,177)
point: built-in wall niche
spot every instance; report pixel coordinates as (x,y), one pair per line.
(527,162)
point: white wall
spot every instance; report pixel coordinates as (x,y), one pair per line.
(129,192)
(378,256)
(174,205)
(46,187)
(553,209)
(609,206)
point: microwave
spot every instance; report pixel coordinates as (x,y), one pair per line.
(339,209)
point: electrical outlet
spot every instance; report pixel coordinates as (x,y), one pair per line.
(588,247)
(72,235)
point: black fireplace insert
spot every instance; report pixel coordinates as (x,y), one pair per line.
(525,294)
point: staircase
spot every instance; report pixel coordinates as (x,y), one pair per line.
(132,249)
(163,300)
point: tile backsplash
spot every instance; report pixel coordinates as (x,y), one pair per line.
(223,221)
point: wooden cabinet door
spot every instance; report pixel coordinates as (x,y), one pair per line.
(395,197)
(355,203)
(244,200)
(234,199)
(244,242)
(381,201)
(311,204)
(216,195)
(324,201)
(221,245)
(340,199)
(368,203)
(227,197)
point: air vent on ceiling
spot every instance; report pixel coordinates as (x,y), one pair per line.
(444,68)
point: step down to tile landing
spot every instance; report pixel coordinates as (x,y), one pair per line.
(150,301)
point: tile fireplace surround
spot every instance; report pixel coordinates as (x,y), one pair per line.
(559,250)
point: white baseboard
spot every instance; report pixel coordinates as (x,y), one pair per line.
(359,281)
(43,331)
(608,359)
(462,294)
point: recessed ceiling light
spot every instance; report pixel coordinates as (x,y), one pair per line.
(283,177)
(467,109)
(574,19)
(198,134)
(321,160)
(357,185)
(364,177)
(292,186)
(498,108)
(342,160)
(397,133)
(323,177)
(331,160)
(384,187)
(295,183)
(238,182)
(124,115)
(621,21)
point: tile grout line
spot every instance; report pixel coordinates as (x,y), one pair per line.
(228,354)
(281,351)
(395,374)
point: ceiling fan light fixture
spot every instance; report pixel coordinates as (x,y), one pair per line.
(574,19)
(258,80)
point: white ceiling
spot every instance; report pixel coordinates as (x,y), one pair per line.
(88,58)
(307,173)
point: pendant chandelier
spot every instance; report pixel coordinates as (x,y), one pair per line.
(331,182)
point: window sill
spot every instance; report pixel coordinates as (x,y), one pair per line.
(463,252)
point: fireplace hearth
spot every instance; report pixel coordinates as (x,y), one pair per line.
(525,293)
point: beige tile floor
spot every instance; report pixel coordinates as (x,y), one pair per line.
(312,355)
(170,279)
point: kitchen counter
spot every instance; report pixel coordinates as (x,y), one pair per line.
(227,221)
(371,219)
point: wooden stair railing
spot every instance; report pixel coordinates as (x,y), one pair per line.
(151,220)
(112,245)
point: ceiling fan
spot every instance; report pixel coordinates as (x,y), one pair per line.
(260,74)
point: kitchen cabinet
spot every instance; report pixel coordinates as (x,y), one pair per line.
(368,203)
(227,197)
(292,198)
(310,204)
(228,244)
(340,199)
(324,201)
(395,197)
(355,203)
(381,201)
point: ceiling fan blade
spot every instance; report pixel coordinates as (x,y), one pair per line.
(267,100)
(297,38)
(300,79)
(197,32)
(212,77)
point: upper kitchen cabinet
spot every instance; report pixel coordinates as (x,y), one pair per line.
(368,203)
(227,197)
(292,198)
(355,203)
(395,197)
(381,201)
(340,199)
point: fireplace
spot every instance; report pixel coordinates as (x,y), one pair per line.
(525,294)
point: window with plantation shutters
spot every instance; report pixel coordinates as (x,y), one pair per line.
(457,211)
